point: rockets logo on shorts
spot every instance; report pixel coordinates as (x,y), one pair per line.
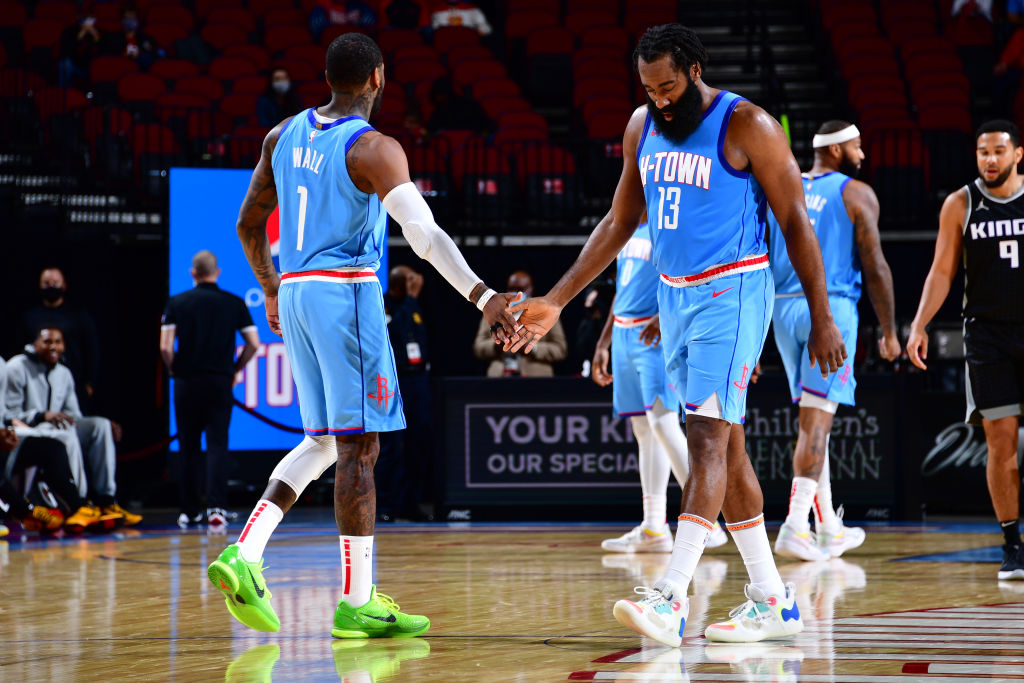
(382,394)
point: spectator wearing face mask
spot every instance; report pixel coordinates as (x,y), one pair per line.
(132,43)
(278,101)
(82,352)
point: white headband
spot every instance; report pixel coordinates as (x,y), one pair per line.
(836,138)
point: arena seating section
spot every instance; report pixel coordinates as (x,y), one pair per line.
(902,63)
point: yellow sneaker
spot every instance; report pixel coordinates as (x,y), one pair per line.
(4,531)
(43,519)
(90,518)
(130,519)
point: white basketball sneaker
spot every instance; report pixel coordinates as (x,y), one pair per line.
(658,614)
(718,536)
(798,544)
(640,540)
(761,617)
(848,537)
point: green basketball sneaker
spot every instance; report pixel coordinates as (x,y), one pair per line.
(245,592)
(378,618)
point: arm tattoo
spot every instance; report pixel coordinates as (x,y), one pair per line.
(259,203)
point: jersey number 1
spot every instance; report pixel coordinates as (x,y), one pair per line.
(1008,250)
(303,196)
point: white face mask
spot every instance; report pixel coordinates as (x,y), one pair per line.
(281,87)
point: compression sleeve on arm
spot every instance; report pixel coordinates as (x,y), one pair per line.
(405,204)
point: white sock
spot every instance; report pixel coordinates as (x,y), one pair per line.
(670,437)
(751,539)
(691,537)
(653,474)
(253,540)
(824,514)
(356,569)
(801,497)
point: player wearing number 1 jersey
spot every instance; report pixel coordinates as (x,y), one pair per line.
(333,177)
(706,164)
(983,224)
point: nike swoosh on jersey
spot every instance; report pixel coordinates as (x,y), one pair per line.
(715,294)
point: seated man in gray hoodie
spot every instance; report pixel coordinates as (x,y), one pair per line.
(41,393)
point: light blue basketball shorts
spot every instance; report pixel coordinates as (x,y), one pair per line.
(638,371)
(336,339)
(713,334)
(792,325)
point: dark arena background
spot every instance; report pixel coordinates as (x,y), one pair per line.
(128,133)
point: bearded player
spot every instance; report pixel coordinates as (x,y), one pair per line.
(983,225)
(706,164)
(844,213)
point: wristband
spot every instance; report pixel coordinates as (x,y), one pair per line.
(484,298)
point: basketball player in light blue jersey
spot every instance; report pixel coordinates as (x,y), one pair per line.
(641,392)
(706,164)
(333,177)
(844,213)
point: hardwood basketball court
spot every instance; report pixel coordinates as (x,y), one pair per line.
(508,603)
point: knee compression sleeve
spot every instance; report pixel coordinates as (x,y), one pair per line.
(669,434)
(306,462)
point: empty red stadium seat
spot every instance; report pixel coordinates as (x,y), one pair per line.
(12,13)
(63,11)
(505,136)
(612,38)
(42,33)
(98,121)
(601,68)
(392,38)
(584,20)
(135,87)
(474,159)
(204,8)
(257,54)
(50,101)
(945,117)
(233,16)
(316,55)
(245,145)
(178,100)
(19,82)
(165,34)
(467,73)
(488,87)
(173,69)
(639,17)
(523,120)
(254,85)
(417,52)
(230,68)
(284,16)
(239,105)
(262,7)
(520,24)
(605,87)
(607,125)
(447,37)
(549,40)
(277,38)
(474,51)
(314,94)
(610,105)
(497,105)
(299,70)
(207,86)
(220,36)
(170,14)
(414,71)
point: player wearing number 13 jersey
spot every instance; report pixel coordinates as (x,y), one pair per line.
(706,164)
(983,224)
(333,177)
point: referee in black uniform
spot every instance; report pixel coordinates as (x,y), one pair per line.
(204,320)
(983,224)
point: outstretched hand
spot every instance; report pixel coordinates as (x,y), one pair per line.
(538,316)
(502,324)
(825,348)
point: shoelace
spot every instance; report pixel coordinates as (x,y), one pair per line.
(652,596)
(388,602)
(750,605)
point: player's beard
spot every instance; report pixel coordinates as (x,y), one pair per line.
(849,167)
(686,114)
(1000,179)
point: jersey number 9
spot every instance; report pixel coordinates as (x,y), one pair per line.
(1008,250)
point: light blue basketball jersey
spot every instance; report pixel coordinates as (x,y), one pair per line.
(701,210)
(636,281)
(326,221)
(832,224)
